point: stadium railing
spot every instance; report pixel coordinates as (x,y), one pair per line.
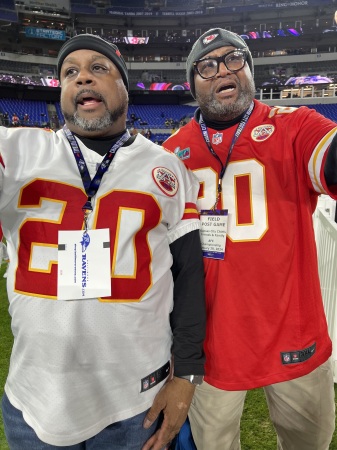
(326,239)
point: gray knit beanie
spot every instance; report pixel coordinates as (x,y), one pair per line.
(212,39)
(98,44)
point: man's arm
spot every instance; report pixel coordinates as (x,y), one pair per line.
(188,318)
(188,322)
(330,166)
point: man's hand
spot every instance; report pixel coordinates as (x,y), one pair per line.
(174,400)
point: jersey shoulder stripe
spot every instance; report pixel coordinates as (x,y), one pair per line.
(316,161)
(190,211)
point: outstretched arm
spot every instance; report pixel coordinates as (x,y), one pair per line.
(330,166)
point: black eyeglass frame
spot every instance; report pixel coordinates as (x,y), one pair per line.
(220,59)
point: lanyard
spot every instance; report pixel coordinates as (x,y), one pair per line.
(237,133)
(91,185)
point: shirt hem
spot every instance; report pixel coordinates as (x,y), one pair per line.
(302,370)
(80,436)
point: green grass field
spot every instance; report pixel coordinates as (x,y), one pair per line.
(257,432)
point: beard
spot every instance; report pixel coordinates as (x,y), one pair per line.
(97,123)
(212,109)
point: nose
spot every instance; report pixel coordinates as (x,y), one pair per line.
(223,69)
(84,77)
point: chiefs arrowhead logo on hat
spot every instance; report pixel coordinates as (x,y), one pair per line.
(209,39)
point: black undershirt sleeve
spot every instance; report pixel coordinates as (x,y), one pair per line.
(188,317)
(330,167)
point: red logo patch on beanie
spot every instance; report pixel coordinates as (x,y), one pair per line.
(209,39)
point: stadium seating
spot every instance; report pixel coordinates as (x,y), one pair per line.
(156,115)
(36,109)
(329,111)
(8,4)
(147,116)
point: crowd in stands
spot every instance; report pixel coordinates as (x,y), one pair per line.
(28,113)
(149,120)
(20,79)
(188,35)
(156,122)
(142,79)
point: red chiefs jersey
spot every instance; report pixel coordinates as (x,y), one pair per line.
(266,321)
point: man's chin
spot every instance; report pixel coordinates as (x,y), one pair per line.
(89,122)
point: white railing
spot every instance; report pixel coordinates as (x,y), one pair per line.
(326,239)
(295,95)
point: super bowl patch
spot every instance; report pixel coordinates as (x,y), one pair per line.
(183,153)
(166,181)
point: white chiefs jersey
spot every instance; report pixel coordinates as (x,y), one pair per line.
(77,366)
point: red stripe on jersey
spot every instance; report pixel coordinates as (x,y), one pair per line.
(244,202)
(201,192)
(2,161)
(190,211)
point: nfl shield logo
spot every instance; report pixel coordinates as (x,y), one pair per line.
(217,138)
(286,357)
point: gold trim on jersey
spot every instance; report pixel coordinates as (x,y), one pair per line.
(314,160)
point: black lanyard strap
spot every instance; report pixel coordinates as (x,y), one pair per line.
(91,186)
(237,133)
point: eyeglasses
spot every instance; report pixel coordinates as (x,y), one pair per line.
(209,67)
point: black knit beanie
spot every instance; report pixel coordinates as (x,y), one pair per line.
(98,44)
(212,39)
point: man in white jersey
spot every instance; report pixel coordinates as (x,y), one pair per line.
(106,280)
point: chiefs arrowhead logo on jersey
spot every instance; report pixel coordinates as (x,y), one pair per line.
(208,39)
(166,181)
(262,132)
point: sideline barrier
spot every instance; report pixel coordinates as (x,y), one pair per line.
(326,239)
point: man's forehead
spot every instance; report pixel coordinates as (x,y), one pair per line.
(219,51)
(91,55)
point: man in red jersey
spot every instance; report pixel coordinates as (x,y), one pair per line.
(261,170)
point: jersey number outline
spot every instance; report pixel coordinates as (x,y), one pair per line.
(243,194)
(36,273)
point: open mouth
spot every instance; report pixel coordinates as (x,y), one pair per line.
(228,88)
(88,99)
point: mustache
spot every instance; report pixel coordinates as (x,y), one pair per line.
(90,93)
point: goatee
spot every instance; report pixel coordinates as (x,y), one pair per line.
(214,110)
(96,123)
